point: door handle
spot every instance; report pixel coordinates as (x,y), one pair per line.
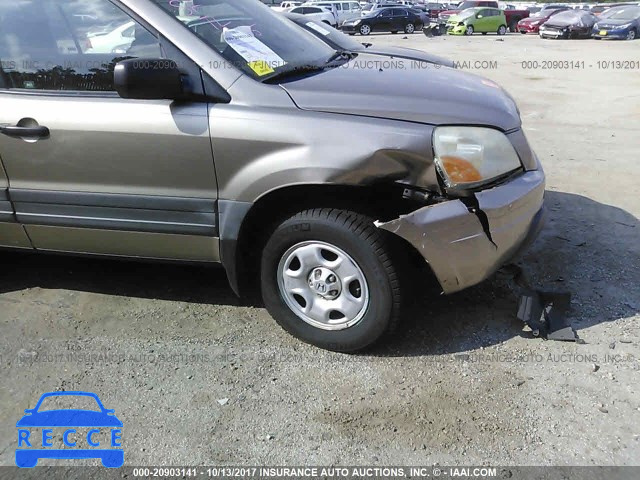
(15,131)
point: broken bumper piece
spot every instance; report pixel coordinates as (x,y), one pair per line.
(459,249)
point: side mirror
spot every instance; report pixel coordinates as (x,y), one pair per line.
(150,79)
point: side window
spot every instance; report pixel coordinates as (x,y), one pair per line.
(346,6)
(338,6)
(67,45)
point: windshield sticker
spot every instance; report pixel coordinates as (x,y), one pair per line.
(242,40)
(318,28)
(260,68)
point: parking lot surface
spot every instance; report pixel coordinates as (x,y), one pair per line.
(200,377)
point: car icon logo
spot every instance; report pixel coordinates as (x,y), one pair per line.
(84,433)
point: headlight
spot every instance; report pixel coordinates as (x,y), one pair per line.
(622,27)
(357,22)
(470,156)
(461,24)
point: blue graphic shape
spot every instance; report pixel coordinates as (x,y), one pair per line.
(70,418)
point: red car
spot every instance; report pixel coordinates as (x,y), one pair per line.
(532,23)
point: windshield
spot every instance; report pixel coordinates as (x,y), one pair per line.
(571,16)
(250,35)
(469,12)
(465,5)
(326,33)
(66,402)
(625,13)
(543,13)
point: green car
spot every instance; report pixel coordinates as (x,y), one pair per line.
(480,19)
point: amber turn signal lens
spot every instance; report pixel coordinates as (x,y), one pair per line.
(460,170)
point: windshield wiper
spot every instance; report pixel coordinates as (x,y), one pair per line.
(292,72)
(340,54)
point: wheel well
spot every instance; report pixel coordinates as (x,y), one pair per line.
(381,202)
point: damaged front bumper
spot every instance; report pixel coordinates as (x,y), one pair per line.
(465,245)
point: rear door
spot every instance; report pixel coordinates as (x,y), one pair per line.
(400,19)
(91,172)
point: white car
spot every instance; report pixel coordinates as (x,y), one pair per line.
(118,40)
(319,14)
(286,6)
(343,11)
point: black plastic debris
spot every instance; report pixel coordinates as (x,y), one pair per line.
(545,312)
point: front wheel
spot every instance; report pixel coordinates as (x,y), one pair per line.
(365,29)
(327,278)
(502,30)
(631,35)
(469,30)
(409,28)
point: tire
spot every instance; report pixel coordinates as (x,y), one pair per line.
(502,30)
(394,31)
(484,33)
(469,30)
(409,28)
(312,241)
(364,29)
(632,35)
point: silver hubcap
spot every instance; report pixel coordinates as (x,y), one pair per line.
(631,35)
(365,29)
(410,28)
(323,285)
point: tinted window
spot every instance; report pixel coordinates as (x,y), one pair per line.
(67,44)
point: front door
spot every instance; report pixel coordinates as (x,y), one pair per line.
(12,234)
(89,171)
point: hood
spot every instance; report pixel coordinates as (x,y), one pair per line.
(449,12)
(432,96)
(69,418)
(408,53)
(528,20)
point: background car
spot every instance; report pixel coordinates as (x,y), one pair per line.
(343,11)
(532,24)
(618,22)
(319,14)
(286,6)
(569,24)
(477,20)
(341,42)
(389,19)
(117,40)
